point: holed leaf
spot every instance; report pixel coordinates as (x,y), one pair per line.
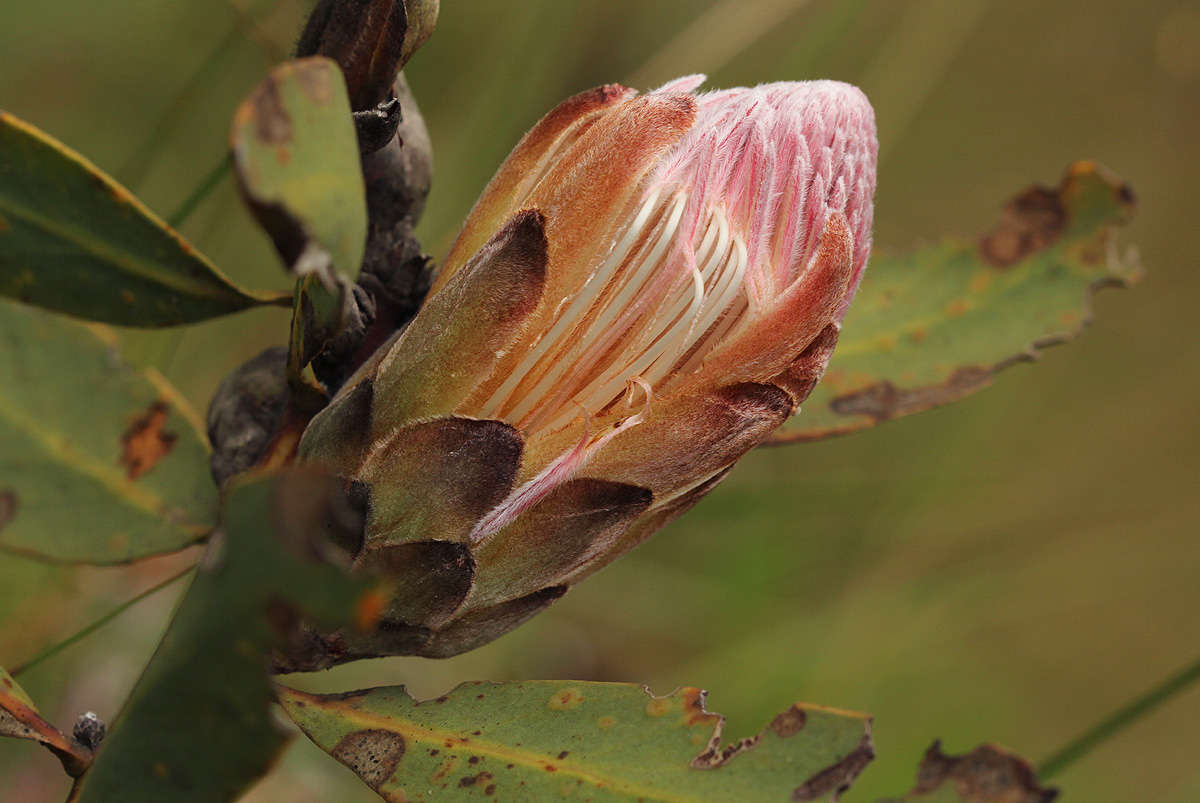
(198,725)
(546,740)
(99,462)
(296,157)
(935,325)
(75,241)
(988,774)
(19,718)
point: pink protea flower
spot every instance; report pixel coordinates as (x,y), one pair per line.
(647,288)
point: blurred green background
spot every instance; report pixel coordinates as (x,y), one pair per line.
(1007,569)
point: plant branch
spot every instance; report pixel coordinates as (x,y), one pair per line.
(1119,720)
(209,183)
(96,625)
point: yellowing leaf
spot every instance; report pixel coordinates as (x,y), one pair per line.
(935,325)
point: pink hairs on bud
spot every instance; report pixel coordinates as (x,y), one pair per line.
(778,159)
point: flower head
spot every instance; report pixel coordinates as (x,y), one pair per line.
(646,289)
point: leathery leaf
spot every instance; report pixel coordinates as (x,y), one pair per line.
(551,740)
(74,240)
(296,157)
(936,324)
(100,462)
(198,725)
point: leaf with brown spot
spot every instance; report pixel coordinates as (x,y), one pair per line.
(78,423)
(296,160)
(599,741)
(930,327)
(75,241)
(19,719)
(988,774)
(295,154)
(146,442)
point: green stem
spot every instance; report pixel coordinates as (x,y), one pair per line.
(1119,720)
(133,172)
(96,625)
(206,186)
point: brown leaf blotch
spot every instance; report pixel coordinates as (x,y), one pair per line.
(272,122)
(884,400)
(372,754)
(316,82)
(473,780)
(145,442)
(837,778)
(1031,221)
(988,774)
(790,722)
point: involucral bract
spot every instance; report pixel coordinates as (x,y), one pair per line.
(648,287)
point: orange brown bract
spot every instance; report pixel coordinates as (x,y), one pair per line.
(647,288)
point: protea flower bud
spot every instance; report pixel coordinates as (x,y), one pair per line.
(647,288)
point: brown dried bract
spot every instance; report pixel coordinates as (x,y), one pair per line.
(145,442)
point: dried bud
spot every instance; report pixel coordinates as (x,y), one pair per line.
(371,40)
(648,287)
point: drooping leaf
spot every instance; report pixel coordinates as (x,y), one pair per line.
(296,157)
(99,462)
(550,740)
(935,325)
(75,241)
(988,774)
(318,316)
(198,725)
(19,718)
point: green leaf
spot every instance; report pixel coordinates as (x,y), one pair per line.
(99,462)
(11,690)
(75,241)
(318,315)
(988,774)
(546,740)
(296,158)
(198,725)
(19,719)
(930,327)
(297,162)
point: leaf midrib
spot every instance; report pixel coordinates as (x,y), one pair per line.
(510,754)
(219,288)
